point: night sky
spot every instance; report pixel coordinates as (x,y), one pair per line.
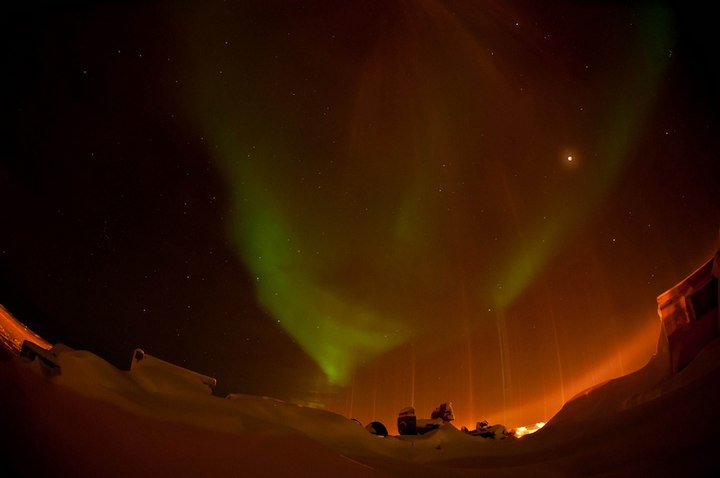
(360,205)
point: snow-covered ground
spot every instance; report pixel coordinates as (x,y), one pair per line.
(160,420)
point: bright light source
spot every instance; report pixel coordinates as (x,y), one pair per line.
(522,431)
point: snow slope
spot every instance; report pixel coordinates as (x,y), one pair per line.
(159,420)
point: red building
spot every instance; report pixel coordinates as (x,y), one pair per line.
(689,313)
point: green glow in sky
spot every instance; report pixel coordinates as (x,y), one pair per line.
(336,330)
(630,103)
(359,205)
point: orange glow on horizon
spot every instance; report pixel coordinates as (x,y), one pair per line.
(633,355)
(532,404)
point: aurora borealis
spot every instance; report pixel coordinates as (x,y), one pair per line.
(361,205)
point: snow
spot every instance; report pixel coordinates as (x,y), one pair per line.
(158,419)
(68,412)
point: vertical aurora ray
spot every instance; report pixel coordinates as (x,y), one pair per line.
(369,190)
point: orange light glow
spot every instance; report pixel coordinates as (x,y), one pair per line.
(13,333)
(522,431)
(631,355)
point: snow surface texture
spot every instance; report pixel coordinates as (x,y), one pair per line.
(160,420)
